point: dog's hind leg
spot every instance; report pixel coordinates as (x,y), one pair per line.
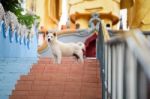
(76,56)
(81,58)
(79,55)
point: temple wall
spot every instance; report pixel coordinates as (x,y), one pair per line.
(83,22)
(91,6)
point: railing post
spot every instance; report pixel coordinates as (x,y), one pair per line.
(106,69)
(125,66)
(130,74)
(141,83)
(109,71)
(100,56)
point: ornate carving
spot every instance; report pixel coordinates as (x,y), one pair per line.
(94,21)
(13,28)
(13,21)
(2,12)
(6,22)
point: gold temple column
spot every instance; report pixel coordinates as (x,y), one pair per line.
(138,14)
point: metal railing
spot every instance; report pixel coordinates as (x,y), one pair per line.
(125,64)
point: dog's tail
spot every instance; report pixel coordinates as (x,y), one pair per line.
(82,46)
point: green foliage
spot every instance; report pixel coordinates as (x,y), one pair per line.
(27,19)
(11,5)
(15,7)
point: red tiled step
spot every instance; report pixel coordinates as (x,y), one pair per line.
(65,60)
(69,80)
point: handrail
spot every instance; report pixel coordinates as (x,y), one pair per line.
(138,44)
(106,34)
(125,63)
(142,50)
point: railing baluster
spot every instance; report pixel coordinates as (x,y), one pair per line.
(141,83)
(120,71)
(120,55)
(131,77)
(109,71)
(106,69)
(114,69)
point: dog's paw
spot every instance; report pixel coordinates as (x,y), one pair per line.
(82,62)
(58,62)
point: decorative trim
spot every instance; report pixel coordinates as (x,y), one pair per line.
(21,40)
(1,25)
(10,36)
(16,37)
(76,3)
(7,32)
(24,40)
(95,18)
(11,28)
(28,44)
(94,9)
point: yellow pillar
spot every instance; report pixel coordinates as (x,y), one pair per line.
(48,10)
(138,14)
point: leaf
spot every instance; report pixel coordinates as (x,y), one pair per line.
(15,7)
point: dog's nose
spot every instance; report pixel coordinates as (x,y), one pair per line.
(49,40)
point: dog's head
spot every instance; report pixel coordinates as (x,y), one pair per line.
(51,37)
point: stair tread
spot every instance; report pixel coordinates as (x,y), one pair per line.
(67,80)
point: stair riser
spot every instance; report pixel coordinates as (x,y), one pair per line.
(69,79)
(10,70)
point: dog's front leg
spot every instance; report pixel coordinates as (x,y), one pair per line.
(58,59)
(55,58)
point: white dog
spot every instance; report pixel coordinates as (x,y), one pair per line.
(60,49)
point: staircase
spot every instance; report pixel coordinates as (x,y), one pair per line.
(69,80)
(10,71)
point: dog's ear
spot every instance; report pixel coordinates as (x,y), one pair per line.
(46,32)
(54,34)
